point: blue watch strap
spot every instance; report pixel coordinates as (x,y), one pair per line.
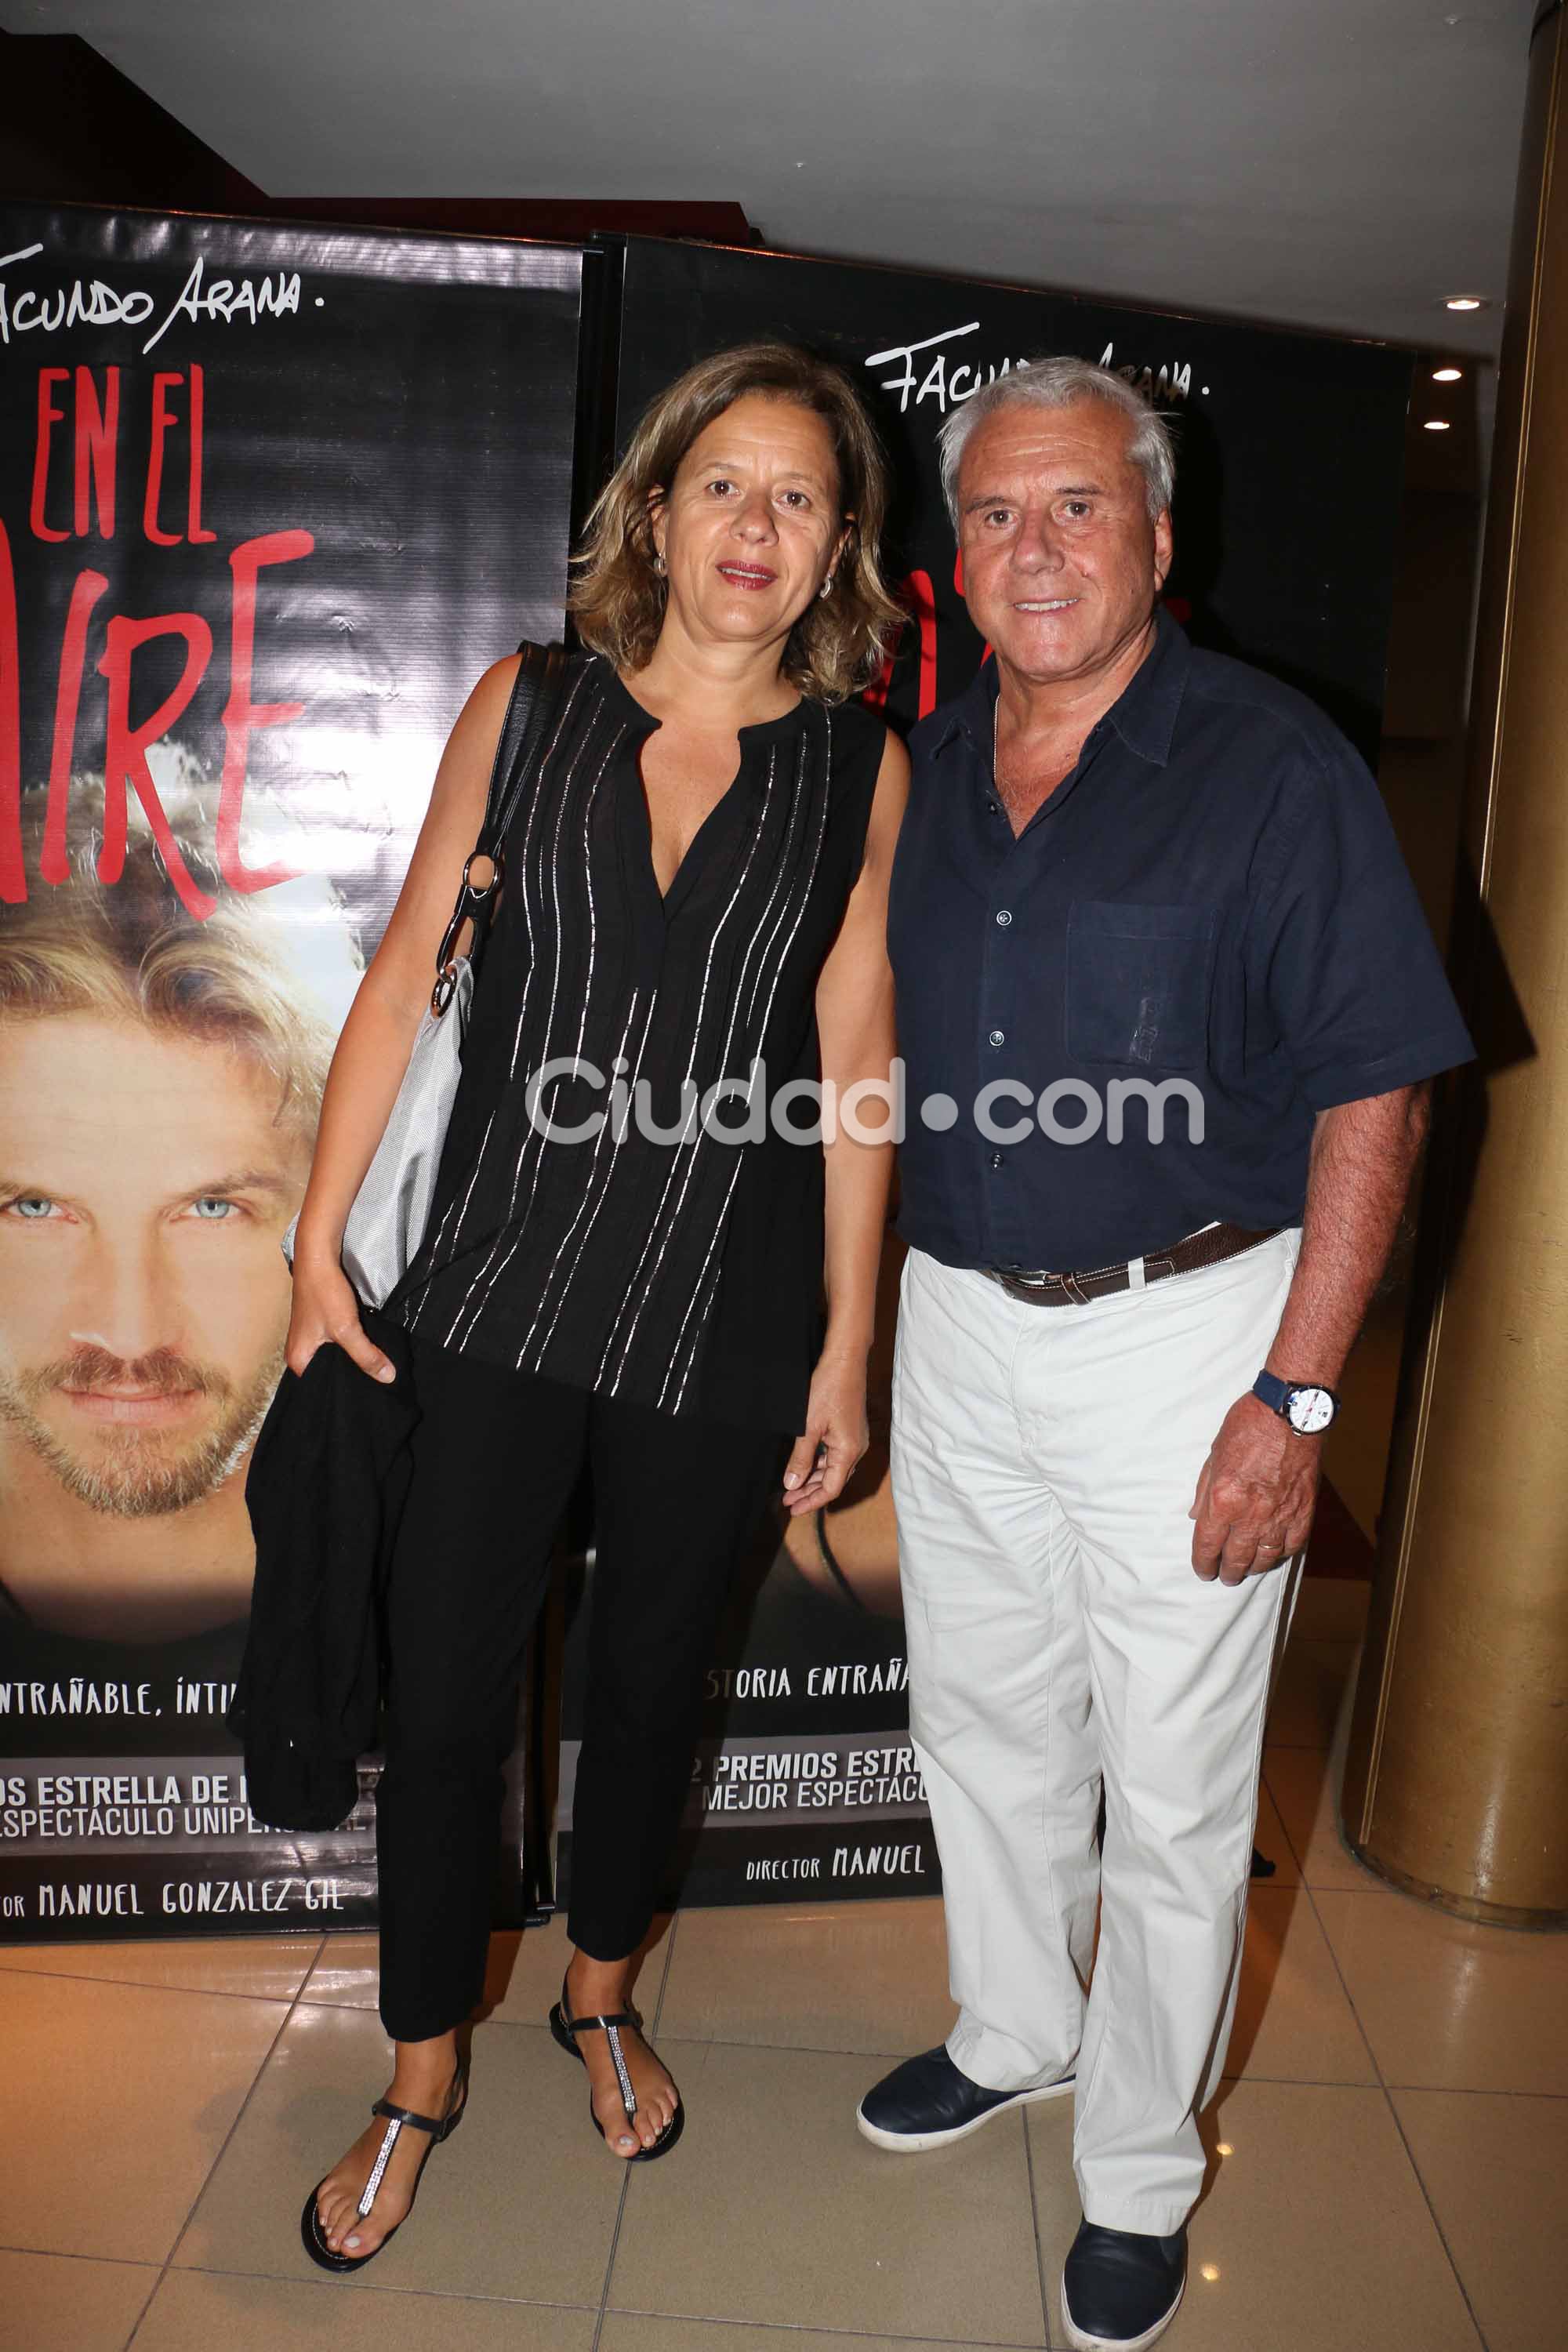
(1273,1391)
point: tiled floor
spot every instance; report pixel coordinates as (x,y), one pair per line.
(1388,2156)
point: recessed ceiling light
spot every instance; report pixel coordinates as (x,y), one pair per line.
(1465,302)
(1446,375)
(1437,424)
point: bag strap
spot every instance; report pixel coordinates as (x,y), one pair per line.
(536,696)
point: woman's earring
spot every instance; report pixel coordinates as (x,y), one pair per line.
(826,587)
(658,564)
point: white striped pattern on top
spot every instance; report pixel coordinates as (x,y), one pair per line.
(602,1263)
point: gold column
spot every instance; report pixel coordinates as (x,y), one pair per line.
(1456,1777)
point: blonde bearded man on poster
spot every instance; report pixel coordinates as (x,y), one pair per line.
(1132,872)
(160,1079)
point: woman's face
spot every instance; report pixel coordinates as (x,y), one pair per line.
(751,527)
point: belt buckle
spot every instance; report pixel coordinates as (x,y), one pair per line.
(1075,1291)
(1029,1286)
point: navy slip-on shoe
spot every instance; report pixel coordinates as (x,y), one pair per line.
(927,2103)
(1120,2290)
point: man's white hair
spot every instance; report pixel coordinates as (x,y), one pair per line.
(1056,383)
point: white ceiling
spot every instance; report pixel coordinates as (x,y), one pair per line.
(1338,163)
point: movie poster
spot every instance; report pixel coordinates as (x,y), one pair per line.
(1290,453)
(271,498)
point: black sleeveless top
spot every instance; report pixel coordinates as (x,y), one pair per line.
(682,1272)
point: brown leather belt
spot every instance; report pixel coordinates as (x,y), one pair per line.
(1211,1247)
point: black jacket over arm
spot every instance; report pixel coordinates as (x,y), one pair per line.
(325,1490)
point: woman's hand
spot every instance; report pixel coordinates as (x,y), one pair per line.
(326,1307)
(836,1436)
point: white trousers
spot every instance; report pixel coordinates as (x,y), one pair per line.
(1044,1460)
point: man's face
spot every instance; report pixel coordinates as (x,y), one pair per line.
(1062,562)
(144,1188)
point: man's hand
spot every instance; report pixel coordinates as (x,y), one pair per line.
(1255,1494)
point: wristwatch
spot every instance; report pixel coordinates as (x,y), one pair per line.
(1308,1408)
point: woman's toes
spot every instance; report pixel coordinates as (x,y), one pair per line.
(620,2131)
(351,2235)
(338,2216)
(627,2136)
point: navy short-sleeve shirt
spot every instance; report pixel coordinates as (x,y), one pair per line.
(1204,938)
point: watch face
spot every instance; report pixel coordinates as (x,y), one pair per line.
(1310,1411)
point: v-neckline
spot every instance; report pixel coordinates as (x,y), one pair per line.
(691,858)
(643,723)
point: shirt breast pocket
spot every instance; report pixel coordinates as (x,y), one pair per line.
(1138,984)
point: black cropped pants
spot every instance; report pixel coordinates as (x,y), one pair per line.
(496,1457)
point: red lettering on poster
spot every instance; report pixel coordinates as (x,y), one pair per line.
(125,751)
(97,430)
(194,530)
(916,595)
(241,717)
(12,880)
(163,418)
(922,599)
(55,865)
(48,417)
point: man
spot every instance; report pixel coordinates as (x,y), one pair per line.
(1149,919)
(159,1084)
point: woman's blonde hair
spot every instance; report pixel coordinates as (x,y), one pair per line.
(617,599)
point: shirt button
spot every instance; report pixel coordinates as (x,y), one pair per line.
(1003,917)
(995,1160)
(991,809)
(998,1036)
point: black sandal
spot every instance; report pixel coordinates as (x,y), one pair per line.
(439,2128)
(564,2027)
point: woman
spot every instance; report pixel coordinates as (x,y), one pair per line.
(695,890)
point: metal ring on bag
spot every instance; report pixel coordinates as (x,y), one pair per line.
(471,900)
(447,949)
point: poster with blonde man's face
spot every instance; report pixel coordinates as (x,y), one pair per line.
(160,1079)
